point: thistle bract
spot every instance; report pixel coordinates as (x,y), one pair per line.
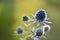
(34,38)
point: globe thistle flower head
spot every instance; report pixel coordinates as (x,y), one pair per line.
(39,32)
(46,28)
(19,30)
(25,18)
(40,15)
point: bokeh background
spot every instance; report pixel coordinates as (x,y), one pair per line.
(11,12)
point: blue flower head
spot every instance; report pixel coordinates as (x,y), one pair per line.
(40,15)
(46,28)
(25,18)
(19,30)
(39,32)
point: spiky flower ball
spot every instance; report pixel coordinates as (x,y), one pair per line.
(19,30)
(40,15)
(46,28)
(25,18)
(39,32)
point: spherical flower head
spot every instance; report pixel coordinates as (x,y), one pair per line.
(19,30)
(46,28)
(40,15)
(25,18)
(39,32)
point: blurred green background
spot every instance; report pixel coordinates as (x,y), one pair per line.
(11,12)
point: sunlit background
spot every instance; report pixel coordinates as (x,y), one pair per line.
(11,12)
